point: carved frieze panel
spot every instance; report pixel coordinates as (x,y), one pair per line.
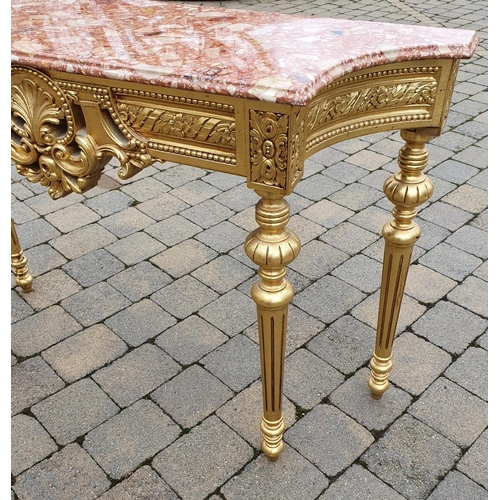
(373,99)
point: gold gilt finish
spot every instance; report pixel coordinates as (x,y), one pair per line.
(19,262)
(66,127)
(407,189)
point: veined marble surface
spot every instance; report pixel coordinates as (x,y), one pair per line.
(271,57)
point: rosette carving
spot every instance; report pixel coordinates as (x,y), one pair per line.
(268,148)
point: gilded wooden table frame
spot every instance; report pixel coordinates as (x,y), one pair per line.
(66,127)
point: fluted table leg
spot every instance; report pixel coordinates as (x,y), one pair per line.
(407,189)
(272,247)
(19,261)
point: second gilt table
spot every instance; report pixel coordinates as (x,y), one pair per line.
(246,93)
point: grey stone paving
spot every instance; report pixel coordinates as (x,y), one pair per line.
(135,369)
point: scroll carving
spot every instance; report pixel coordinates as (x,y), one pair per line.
(178,124)
(268,148)
(49,140)
(375,98)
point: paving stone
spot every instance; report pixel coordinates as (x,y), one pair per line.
(344,172)
(195,192)
(372,218)
(454,412)
(317,259)
(370,160)
(50,289)
(454,171)
(21,213)
(207,214)
(354,398)
(223,181)
(145,189)
(82,241)
(173,230)
(305,229)
(473,155)
(238,198)
(411,457)
(43,258)
(109,203)
(445,215)
(51,325)
(481,221)
(357,482)
(183,258)
(472,294)
(69,473)
(18,307)
(474,463)
(417,363)
(360,271)
(201,461)
(190,339)
(346,344)
(236,362)
(246,218)
(341,441)
(328,298)
(480,181)
(177,175)
(136,374)
(44,204)
(231,313)
(74,410)
(20,191)
(290,477)
(431,234)
(31,381)
(309,379)
(223,273)
(301,327)
(140,322)
(317,187)
(450,327)
(122,443)
(223,237)
(144,484)
(72,217)
(184,297)
(349,238)
(205,392)
(357,196)
(35,232)
(327,213)
(95,303)
(93,267)
(162,207)
(126,222)
(468,198)
(243,413)
(139,281)
(30,443)
(135,248)
(470,239)
(457,486)
(426,285)
(450,261)
(470,371)
(84,352)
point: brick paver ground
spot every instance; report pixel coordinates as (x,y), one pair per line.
(135,360)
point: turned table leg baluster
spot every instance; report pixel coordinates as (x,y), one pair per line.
(272,247)
(407,189)
(19,262)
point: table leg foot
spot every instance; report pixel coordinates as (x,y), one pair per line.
(18,262)
(407,189)
(272,247)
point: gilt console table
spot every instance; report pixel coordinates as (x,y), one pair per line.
(246,93)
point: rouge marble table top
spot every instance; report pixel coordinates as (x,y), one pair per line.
(270,57)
